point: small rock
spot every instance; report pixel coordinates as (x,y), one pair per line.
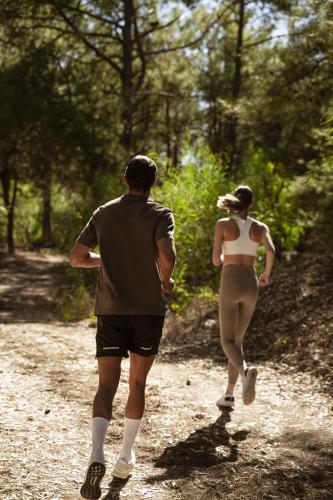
(188,382)
(47,412)
(210,324)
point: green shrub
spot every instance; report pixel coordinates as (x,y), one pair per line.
(75,295)
(72,209)
(274,204)
(192,194)
(315,200)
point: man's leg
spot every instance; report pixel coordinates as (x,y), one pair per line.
(109,374)
(139,369)
(146,335)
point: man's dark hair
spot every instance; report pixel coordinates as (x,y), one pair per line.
(140,172)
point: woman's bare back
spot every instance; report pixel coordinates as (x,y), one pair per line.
(231,232)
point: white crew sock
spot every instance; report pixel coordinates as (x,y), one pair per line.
(131,428)
(98,429)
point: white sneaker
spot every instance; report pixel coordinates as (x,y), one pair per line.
(249,385)
(122,469)
(227,401)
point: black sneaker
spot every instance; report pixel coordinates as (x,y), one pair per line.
(90,488)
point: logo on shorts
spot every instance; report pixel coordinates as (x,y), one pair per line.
(146,348)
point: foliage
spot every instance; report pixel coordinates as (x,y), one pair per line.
(192,195)
(222,92)
(315,199)
(70,213)
(74,298)
(274,194)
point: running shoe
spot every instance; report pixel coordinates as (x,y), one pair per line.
(122,469)
(90,488)
(227,401)
(249,385)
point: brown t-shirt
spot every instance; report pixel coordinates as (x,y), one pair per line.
(126,230)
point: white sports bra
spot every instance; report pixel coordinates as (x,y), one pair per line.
(243,245)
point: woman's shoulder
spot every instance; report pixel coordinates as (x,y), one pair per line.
(223,222)
(258,223)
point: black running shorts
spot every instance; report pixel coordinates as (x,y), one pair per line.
(118,334)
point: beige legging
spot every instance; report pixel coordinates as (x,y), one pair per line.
(238,297)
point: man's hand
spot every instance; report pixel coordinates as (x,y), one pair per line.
(167,286)
(263,279)
(166,263)
(81,256)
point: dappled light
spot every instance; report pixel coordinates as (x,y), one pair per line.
(166,273)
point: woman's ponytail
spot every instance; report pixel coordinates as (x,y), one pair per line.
(229,202)
(240,199)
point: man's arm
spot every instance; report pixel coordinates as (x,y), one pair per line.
(217,248)
(81,256)
(166,261)
(270,256)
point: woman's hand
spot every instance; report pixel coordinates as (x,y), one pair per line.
(167,286)
(263,279)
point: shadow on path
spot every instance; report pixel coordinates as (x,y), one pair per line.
(27,286)
(115,487)
(206,447)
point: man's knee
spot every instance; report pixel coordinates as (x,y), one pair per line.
(137,383)
(107,389)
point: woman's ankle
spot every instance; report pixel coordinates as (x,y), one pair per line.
(230,389)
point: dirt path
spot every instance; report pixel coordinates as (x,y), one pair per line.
(278,448)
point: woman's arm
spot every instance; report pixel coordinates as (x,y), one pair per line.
(270,256)
(217,248)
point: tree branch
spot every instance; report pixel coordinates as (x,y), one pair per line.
(95,16)
(160,27)
(259,42)
(88,44)
(196,40)
(142,57)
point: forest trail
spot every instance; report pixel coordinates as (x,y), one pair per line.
(278,448)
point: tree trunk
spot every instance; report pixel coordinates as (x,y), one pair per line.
(10,227)
(168,132)
(236,90)
(175,154)
(47,210)
(9,201)
(239,49)
(176,148)
(215,128)
(127,75)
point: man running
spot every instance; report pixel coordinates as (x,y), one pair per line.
(136,260)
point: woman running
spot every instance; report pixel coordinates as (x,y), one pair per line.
(238,237)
